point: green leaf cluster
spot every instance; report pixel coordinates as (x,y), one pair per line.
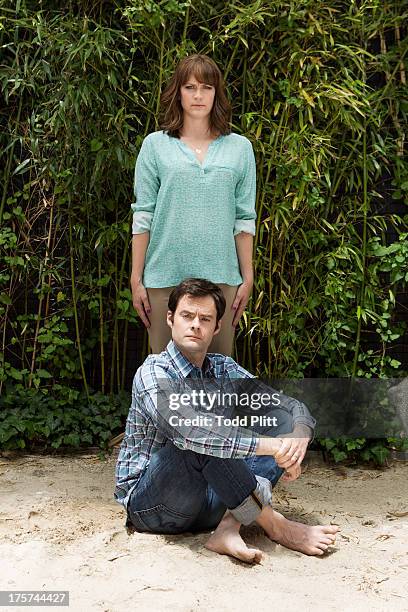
(64,418)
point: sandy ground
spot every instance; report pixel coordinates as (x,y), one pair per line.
(61,529)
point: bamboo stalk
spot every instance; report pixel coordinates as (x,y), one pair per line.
(7,174)
(186,19)
(101,326)
(41,299)
(115,331)
(231,59)
(124,355)
(74,301)
(3,344)
(401,63)
(160,79)
(275,292)
(401,133)
(244,84)
(384,52)
(50,248)
(364,253)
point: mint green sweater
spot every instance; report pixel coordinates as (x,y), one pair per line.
(192,210)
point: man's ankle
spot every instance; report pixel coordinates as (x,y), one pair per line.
(228,520)
(268,518)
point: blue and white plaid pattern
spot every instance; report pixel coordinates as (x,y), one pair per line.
(146,430)
(142,435)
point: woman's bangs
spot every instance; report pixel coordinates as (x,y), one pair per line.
(204,73)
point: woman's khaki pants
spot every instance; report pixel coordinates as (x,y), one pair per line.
(160,333)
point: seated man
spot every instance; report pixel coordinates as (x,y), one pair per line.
(173,482)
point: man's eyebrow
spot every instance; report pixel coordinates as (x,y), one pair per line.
(203,314)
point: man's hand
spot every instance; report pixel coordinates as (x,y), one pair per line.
(241,300)
(293,448)
(292,472)
(140,300)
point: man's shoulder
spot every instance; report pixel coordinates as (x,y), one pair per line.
(154,368)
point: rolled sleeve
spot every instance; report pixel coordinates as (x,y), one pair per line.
(141,222)
(146,187)
(244,225)
(245,195)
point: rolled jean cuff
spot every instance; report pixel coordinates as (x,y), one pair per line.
(248,511)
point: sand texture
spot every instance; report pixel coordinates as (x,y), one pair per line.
(61,529)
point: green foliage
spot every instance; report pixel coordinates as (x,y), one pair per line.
(63,418)
(319,89)
(344,448)
(360,449)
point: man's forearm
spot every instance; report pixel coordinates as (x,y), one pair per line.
(268,446)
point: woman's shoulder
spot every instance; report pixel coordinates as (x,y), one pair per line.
(238,140)
(155,137)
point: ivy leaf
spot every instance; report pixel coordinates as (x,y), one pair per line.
(43,374)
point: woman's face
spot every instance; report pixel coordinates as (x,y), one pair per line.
(197,98)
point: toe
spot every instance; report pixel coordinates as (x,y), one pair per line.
(257,555)
(247,554)
(331,529)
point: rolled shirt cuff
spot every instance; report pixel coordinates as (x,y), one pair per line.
(142,221)
(244,225)
(309,421)
(248,511)
(305,420)
(309,425)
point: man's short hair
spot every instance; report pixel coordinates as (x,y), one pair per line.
(198,287)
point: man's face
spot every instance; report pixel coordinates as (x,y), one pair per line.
(193,325)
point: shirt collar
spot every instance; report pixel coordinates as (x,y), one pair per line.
(184,365)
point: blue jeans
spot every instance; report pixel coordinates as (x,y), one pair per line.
(181,490)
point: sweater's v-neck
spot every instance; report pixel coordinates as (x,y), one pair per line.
(192,155)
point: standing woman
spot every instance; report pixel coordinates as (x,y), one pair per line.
(194,214)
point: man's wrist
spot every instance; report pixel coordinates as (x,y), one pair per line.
(301,430)
(268,446)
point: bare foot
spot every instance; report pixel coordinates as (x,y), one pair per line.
(311,540)
(226,541)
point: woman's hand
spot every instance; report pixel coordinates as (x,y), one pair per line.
(241,300)
(140,300)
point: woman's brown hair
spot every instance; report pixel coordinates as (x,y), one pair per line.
(205,70)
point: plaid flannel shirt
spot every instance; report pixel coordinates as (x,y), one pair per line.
(147,430)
